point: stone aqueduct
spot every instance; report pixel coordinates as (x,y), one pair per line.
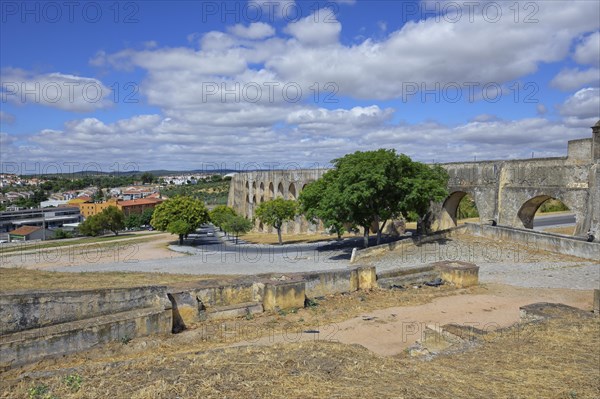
(508,192)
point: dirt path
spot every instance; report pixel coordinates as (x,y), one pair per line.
(127,250)
(388,332)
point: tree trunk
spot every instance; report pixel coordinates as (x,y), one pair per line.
(379,229)
(422,230)
(279,235)
(180,239)
(366,236)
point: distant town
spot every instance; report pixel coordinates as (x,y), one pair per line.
(45,207)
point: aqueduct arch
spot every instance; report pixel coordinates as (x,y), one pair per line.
(507,192)
(449,211)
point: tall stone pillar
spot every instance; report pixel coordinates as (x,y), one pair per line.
(596,142)
(594,183)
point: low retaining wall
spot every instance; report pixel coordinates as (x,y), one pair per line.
(460,274)
(405,243)
(60,339)
(35,309)
(539,240)
(275,291)
(39,324)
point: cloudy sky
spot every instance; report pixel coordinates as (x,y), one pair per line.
(204,84)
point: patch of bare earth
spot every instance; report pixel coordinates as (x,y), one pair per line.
(556,359)
(130,249)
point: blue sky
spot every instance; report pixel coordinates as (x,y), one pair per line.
(142,82)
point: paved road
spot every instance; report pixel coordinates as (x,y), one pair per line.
(211,255)
(553,220)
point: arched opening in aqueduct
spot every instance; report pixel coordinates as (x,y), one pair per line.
(535,213)
(458,206)
(292,192)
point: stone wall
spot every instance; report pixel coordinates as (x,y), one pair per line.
(35,309)
(539,240)
(506,192)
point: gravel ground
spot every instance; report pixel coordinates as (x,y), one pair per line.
(242,259)
(501,262)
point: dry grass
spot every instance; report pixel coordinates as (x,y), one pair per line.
(569,231)
(13,279)
(557,359)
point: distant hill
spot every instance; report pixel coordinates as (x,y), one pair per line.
(158,173)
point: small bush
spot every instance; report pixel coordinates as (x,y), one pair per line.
(73,381)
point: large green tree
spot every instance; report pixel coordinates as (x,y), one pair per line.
(219,215)
(147,178)
(91,226)
(146,217)
(112,219)
(423,185)
(371,187)
(236,225)
(133,221)
(276,212)
(317,202)
(189,212)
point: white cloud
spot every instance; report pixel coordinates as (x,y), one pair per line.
(572,79)
(208,111)
(311,136)
(55,90)
(582,108)
(318,29)
(6,140)
(588,51)
(257,30)
(430,51)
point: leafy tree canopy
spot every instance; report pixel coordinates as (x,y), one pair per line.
(219,215)
(236,225)
(276,212)
(372,187)
(185,209)
(112,219)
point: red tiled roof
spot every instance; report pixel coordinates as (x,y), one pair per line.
(25,230)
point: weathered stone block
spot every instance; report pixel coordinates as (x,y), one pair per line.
(597,301)
(367,277)
(284,295)
(461,274)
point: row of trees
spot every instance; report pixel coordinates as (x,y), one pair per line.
(135,220)
(362,189)
(228,221)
